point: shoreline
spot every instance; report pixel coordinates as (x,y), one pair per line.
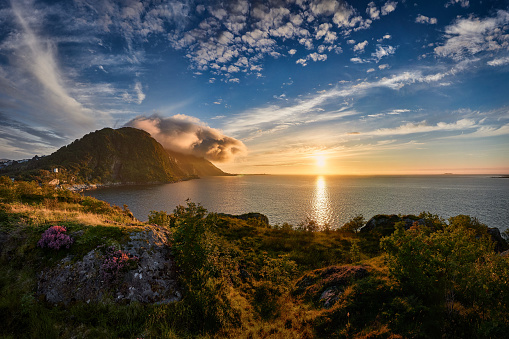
(78,188)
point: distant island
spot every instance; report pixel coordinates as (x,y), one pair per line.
(112,156)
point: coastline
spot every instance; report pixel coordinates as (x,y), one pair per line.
(78,188)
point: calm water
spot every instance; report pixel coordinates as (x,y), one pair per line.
(326,199)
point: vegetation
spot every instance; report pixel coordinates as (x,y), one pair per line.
(246,279)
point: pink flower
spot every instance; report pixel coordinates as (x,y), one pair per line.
(55,238)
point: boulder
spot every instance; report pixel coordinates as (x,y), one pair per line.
(150,279)
(325,286)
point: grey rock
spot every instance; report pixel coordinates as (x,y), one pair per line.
(153,280)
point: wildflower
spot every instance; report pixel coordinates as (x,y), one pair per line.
(55,238)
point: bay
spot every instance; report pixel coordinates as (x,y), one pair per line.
(329,200)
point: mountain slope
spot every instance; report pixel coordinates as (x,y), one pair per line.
(114,155)
(192,165)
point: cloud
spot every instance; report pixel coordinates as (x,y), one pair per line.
(313,56)
(382,51)
(360,46)
(424,127)
(373,11)
(383,66)
(390,6)
(189,135)
(370,70)
(499,61)
(357,60)
(463,3)
(421,19)
(472,35)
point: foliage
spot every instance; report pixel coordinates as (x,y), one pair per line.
(55,238)
(116,261)
(455,273)
(354,225)
(161,218)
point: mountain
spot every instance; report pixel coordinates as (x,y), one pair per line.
(114,155)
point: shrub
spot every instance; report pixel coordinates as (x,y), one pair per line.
(55,238)
(354,225)
(116,261)
(161,218)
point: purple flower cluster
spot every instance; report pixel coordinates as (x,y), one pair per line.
(114,261)
(55,238)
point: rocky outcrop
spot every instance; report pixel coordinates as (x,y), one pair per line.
(500,243)
(385,223)
(151,278)
(247,216)
(325,286)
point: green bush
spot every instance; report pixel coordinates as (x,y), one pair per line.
(455,273)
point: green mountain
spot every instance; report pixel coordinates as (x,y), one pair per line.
(125,155)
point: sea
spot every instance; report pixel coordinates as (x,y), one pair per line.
(328,200)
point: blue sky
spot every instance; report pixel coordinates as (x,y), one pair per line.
(367,87)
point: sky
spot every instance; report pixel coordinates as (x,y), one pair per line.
(275,87)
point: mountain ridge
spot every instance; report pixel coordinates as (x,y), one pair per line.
(124,155)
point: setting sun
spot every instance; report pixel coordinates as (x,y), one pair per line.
(320,160)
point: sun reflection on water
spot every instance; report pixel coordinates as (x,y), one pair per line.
(321,204)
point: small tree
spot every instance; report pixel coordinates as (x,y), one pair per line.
(354,225)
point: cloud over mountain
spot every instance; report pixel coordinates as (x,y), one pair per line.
(185,134)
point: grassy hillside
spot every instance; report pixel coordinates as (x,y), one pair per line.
(247,279)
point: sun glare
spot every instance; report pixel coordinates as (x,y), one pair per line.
(320,160)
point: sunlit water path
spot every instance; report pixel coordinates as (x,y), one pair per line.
(329,200)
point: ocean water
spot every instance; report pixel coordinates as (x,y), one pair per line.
(329,200)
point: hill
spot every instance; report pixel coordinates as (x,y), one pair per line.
(125,155)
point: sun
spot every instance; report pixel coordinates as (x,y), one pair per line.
(320,160)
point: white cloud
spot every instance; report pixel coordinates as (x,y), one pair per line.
(463,3)
(360,46)
(303,62)
(350,42)
(424,127)
(373,11)
(421,19)
(469,36)
(389,7)
(317,57)
(382,51)
(370,70)
(292,51)
(499,61)
(383,66)
(357,60)
(139,92)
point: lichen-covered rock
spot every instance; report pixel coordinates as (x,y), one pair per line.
(325,286)
(385,223)
(247,216)
(151,279)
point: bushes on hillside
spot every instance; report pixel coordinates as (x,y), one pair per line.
(455,274)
